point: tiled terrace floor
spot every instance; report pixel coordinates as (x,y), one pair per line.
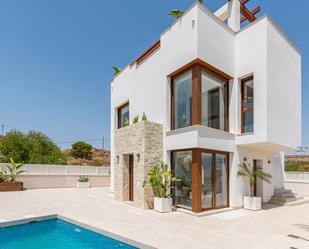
(272,228)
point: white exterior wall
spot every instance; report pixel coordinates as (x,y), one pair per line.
(198,34)
(216,42)
(283,89)
(251,58)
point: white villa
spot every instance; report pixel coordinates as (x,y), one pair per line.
(215,94)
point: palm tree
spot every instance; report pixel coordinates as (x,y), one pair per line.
(253,173)
(117,70)
(176,13)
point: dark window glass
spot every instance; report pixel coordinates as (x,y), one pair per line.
(247,106)
(123,116)
(182,101)
(214,101)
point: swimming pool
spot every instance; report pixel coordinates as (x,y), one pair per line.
(55,234)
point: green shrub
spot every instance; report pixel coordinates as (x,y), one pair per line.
(32,147)
(16,145)
(135,119)
(82,150)
(144,117)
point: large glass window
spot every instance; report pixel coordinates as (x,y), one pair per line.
(200,97)
(123,116)
(247,106)
(214,101)
(182,100)
(183,171)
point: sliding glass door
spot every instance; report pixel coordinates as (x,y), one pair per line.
(182,161)
(221,180)
(214,185)
(203,178)
(207,181)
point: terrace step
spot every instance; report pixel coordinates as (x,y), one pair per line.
(285,197)
(290,204)
(283,191)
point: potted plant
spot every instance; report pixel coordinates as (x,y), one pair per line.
(253,173)
(83,182)
(160,179)
(8,176)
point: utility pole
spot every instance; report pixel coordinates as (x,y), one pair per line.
(103,143)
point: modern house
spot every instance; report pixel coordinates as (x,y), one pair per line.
(216,94)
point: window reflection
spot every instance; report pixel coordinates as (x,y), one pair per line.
(214,101)
(182,90)
(247,106)
(183,171)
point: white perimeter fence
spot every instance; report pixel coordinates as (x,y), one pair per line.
(298,182)
(60,176)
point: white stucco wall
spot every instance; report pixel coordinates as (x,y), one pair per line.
(283,89)
(251,59)
(216,42)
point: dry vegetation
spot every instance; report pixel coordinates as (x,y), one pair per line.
(99,158)
(298,163)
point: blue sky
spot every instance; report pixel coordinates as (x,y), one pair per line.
(56,58)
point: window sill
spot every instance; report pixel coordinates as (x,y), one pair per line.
(198,127)
(245,134)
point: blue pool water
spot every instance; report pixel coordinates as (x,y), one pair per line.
(55,234)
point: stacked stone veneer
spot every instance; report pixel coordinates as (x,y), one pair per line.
(145,142)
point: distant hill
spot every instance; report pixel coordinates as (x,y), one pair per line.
(99,158)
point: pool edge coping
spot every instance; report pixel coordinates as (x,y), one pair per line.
(77,223)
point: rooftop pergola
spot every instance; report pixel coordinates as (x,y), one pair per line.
(247,14)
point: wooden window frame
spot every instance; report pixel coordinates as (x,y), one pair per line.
(197,66)
(119,114)
(242,99)
(197,177)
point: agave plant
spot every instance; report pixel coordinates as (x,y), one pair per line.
(144,117)
(176,13)
(3,176)
(117,70)
(253,173)
(135,119)
(160,179)
(12,171)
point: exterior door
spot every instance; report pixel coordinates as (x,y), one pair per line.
(131,178)
(258,186)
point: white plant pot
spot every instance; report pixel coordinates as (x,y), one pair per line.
(83,184)
(252,203)
(162,205)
